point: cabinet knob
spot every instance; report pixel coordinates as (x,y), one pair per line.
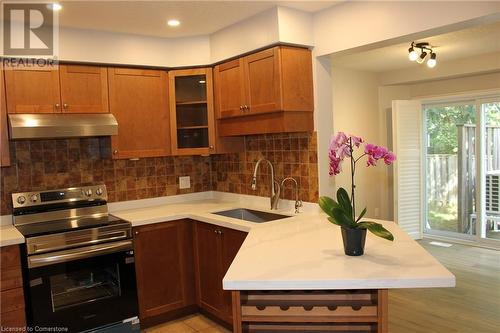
(211,147)
(115,152)
(247,108)
(136,232)
(57,105)
(65,105)
(241,108)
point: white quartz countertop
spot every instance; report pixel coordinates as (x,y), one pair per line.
(301,252)
(305,251)
(9,235)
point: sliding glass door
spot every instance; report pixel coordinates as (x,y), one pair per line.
(490,169)
(462,170)
(450,169)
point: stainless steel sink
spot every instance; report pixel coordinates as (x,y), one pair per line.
(251,215)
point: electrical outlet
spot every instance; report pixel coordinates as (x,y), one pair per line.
(184,182)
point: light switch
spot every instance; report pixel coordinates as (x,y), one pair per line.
(184,182)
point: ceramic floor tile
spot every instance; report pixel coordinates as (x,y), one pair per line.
(214,329)
(171,327)
(198,322)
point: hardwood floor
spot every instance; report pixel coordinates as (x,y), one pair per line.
(472,307)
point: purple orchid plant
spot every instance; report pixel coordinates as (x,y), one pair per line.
(342,211)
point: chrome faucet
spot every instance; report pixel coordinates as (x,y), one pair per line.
(298,202)
(274,196)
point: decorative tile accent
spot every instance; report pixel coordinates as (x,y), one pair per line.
(292,154)
(52,164)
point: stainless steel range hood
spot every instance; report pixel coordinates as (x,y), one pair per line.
(44,126)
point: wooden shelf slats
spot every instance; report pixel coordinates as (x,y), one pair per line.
(310,311)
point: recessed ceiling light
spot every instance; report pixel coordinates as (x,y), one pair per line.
(173,23)
(55,6)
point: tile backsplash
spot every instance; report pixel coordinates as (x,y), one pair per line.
(51,164)
(292,154)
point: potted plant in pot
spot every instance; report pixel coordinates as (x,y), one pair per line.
(342,211)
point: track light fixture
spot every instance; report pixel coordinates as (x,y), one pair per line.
(420,51)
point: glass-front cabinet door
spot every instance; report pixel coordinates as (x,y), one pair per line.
(191,111)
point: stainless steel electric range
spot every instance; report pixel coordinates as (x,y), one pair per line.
(78,261)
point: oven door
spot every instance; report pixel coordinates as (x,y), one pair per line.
(83,288)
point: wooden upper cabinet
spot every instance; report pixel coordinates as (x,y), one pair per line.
(263,81)
(229,88)
(32,90)
(84,89)
(164,261)
(69,88)
(192,121)
(4,133)
(276,79)
(138,98)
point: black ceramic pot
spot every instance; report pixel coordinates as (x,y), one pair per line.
(354,241)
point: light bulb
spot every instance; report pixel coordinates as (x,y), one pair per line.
(54,6)
(173,23)
(412,55)
(431,63)
(422,57)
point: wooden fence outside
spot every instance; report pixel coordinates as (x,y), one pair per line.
(451,179)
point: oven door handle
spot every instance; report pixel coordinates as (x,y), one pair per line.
(78,253)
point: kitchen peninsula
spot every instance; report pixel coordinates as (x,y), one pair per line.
(291,274)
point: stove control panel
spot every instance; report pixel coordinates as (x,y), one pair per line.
(67,195)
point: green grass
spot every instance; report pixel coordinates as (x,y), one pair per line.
(443,217)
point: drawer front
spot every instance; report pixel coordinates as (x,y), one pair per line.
(12,300)
(10,278)
(10,257)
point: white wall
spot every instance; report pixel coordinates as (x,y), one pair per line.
(253,33)
(323,120)
(467,84)
(356,24)
(295,26)
(386,94)
(108,47)
(484,63)
(356,111)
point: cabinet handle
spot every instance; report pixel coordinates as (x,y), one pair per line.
(241,108)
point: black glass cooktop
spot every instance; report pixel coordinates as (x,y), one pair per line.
(57,226)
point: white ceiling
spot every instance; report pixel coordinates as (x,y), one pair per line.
(450,46)
(149,17)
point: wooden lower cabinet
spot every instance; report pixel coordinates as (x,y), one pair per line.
(12,313)
(4,131)
(215,249)
(164,268)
